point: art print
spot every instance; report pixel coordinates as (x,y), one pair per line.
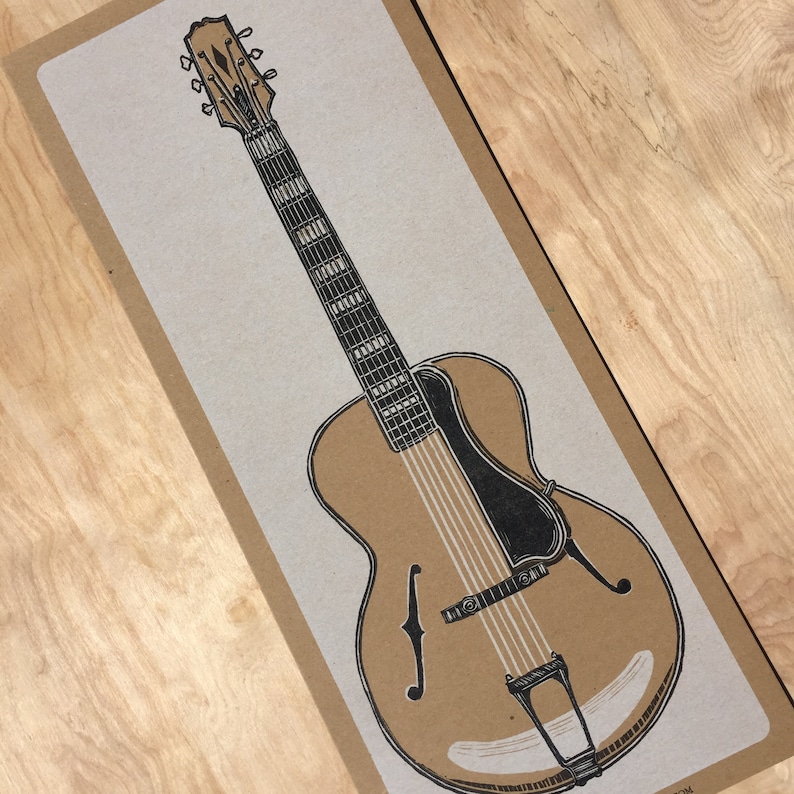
(507,593)
(407,407)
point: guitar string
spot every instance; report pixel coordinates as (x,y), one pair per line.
(504,607)
(248,91)
(490,630)
(455,474)
(479,579)
(285,179)
(347,281)
(315,262)
(497,613)
(497,569)
(348,285)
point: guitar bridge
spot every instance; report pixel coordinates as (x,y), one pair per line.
(471,604)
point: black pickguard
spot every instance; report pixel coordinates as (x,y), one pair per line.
(528,523)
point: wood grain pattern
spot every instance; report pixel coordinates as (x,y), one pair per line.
(138,652)
(649,144)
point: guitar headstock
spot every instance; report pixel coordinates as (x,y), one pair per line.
(238,92)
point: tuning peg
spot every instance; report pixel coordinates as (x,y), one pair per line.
(244,33)
(255,54)
(196,85)
(207,109)
(186,62)
(270,74)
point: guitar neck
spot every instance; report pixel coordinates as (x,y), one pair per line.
(391,390)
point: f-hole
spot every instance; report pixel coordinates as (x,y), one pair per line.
(413,628)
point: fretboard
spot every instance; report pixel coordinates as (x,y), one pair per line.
(391,390)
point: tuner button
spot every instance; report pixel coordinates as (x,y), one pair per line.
(270,74)
(186,62)
(196,85)
(206,109)
(244,33)
(255,54)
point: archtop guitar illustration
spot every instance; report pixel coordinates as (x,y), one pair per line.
(514,635)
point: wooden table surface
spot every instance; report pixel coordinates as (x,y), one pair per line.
(651,143)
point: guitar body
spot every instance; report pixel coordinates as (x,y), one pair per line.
(438,688)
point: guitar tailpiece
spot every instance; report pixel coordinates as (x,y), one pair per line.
(582,765)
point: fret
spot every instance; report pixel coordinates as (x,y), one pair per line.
(264,144)
(290,189)
(412,429)
(403,418)
(333,288)
(403,405)
(347,301)
(409,407)
(395,398)
(371,347)
(356,335)
(301,211)
(279,164)
(393,403)
(370,380)
(330,284)
(386,389)
(311,231)
(331,268)
(328,273)
(321,250)
(358,319)
(373,372)
(404,434)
